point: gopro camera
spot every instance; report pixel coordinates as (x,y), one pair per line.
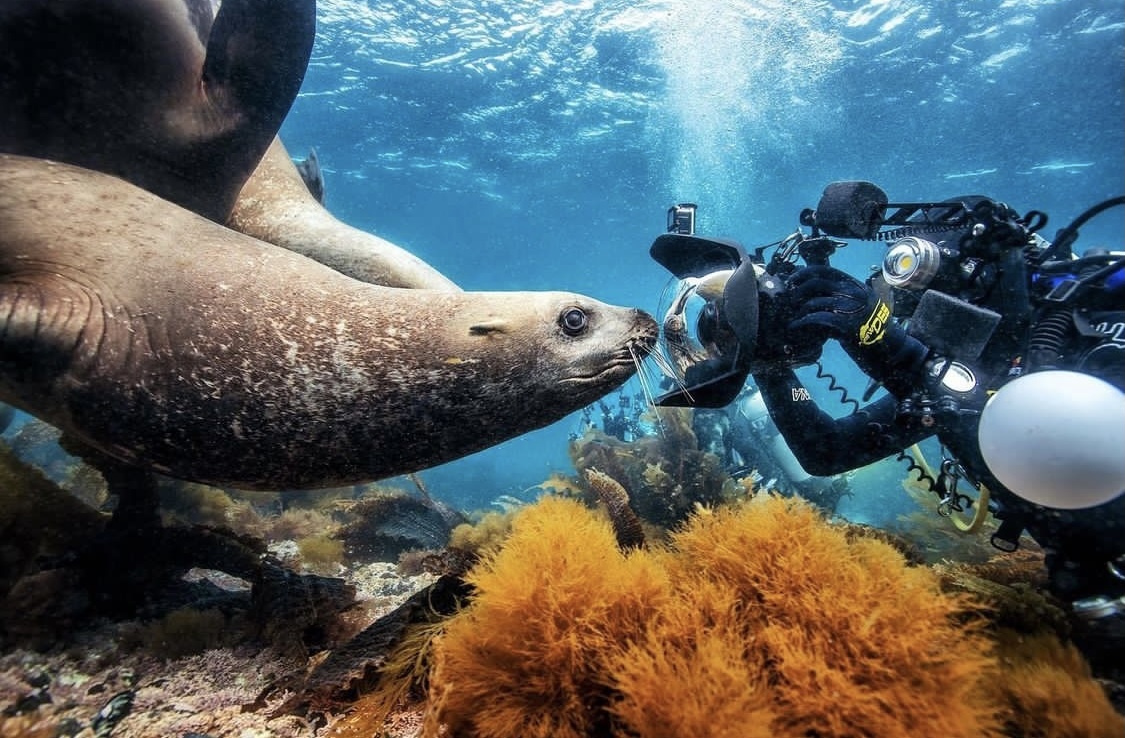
(681,218)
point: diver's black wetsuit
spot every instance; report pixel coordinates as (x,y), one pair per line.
(1079,543)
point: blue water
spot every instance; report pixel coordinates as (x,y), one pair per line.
(537,145)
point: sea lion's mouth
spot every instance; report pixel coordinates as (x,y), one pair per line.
(622,364)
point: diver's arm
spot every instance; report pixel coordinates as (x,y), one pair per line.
(897,361)
(825,445)
(827,303)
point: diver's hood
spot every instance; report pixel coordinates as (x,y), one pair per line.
(716,381)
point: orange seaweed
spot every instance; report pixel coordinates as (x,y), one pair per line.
(527,657)
(691,674)
(760,620)
(857,641)
(1048,692)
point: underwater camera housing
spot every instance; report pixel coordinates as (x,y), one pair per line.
(737,289)
(958,269)
(706,266)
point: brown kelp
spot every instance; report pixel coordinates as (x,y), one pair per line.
(666,474)
(568,635)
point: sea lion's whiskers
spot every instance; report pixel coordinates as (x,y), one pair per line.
(647,382)
(667,369)
(642,377)
(665,366)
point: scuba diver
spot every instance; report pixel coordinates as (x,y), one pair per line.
(1009,349)
(747,442)
(623,422)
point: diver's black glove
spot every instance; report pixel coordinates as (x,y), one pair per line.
(827,303)
(777,346)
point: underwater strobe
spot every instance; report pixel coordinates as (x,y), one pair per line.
(1056,438)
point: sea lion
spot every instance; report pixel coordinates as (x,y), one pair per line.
(155,92)
(167,94)
(170,342)
(312,175)
(276,206)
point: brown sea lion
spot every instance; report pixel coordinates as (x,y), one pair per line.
(167,94)
(275,205)
(167,341)
(158,93)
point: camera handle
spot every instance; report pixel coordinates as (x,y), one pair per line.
(815,250)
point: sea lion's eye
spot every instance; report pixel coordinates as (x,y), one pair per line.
(573,321)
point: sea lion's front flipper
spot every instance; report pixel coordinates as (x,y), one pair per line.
(257,53)
(153,91)
(313,177)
